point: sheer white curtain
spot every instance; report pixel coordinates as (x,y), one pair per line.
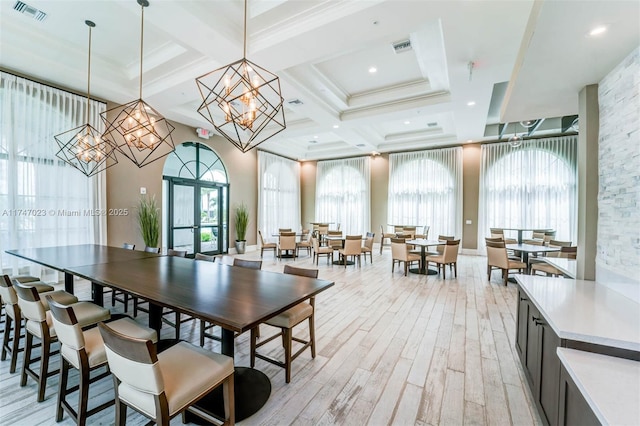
(278,193)
(532,186)
(343,194)
(44,201)
(425,189)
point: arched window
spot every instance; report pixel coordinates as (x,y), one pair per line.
(425,189)
(343,194)
(195,200)
(533,186)
(278,193)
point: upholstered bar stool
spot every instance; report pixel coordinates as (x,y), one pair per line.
(162,385)
(286,321)
(85,351)
(13,320)
(40,325)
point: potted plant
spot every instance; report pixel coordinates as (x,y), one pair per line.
(242,220)
(149,220)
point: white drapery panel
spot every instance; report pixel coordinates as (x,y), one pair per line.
(44,201)
(343,194)
(425,189)
(532,186)
(278,194)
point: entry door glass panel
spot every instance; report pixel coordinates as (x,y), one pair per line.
(183,218)
(209,219)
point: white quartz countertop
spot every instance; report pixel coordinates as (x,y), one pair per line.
(566,266)
(610,385)
(585,311)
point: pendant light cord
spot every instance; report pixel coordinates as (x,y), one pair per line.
(244,52)
(88,79)
(141,45)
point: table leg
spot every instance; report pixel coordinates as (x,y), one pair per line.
(155,317)
(519,236)
(97,294)
(525,259)
(252,389)
(68,282)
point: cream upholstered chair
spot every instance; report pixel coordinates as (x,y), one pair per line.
(352,247)
(385,236)
(286,321)
(566,252)
(449,257)
(162,385)
(497,258)
(537,258)
(40,325)
(319,250)
(323,230)
(266,246)
(337,243)
(409,232)
(205,257)
(304,243)
(425,233)
(367,246)
(499,233)
(205,326)
(281,230)
(287,242)
(177,253)
(400,253)
(13,316)
(84,350)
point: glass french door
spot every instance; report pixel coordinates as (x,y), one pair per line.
(198,217)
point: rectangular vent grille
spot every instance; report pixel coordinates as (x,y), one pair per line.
(30,11)
(401,46)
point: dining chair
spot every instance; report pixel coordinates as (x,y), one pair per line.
(400,254)
(205,257)
(286,321)
(119,295)
(425,233)
(319,250)
(163,385)
(410,231)
(178,320)
(352,247)
(335,244)
(286,243)
(176,253)
(323,230)
(281,230)
(266,246)
(40,325)
(13,316)
(367,246)
(497,258)
(84,350)
(449,257)
(566,252)
(304,243)
(499,233)
(385,236)
(204,325)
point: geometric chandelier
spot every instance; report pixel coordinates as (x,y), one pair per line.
(83,147)
(242,101)
(137,130)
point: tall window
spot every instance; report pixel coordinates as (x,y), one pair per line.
(43,200)
(533,186)
(425,189)
(278,194)
(343,194)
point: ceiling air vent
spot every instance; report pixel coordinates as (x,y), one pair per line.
(30,11)
(295,102)
(401,46)
(432,124)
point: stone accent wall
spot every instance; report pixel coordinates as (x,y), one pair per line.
(618,246)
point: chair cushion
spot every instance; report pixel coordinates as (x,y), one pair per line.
(39,286)
(545,267)
(293,316)
(89,313)
(438,258)
(515,264)
(59,296)
(269,245)
(188,372)
(365,249)
(25,279)
(94,345)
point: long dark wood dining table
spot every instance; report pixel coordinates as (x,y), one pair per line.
(237,299)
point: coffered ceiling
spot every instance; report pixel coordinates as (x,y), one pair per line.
(466,66)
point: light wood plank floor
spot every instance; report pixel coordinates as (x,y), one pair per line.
(398,350)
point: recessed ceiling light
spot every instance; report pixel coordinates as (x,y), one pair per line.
(373,70)
(335,126)
(407,122)
(471,103)
(598,30)
(315,137)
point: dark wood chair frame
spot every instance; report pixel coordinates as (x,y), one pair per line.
(115,294)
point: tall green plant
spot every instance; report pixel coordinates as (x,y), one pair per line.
(242,221)
(149,220)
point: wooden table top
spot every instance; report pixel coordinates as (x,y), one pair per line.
(235,298)
(63,257)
